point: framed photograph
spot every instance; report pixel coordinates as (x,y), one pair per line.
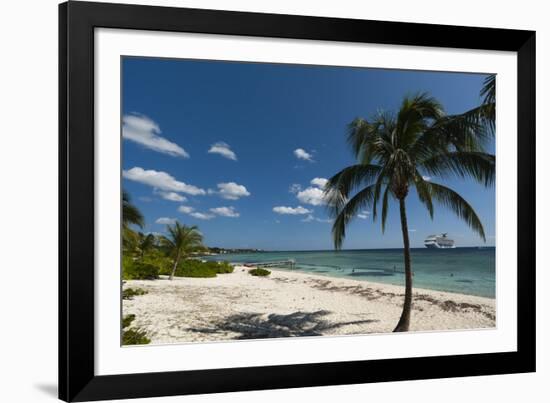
(255,201)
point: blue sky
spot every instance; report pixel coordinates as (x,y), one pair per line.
(241,149)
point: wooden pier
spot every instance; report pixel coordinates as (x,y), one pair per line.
(279,263)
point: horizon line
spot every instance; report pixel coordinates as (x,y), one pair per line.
(345,250)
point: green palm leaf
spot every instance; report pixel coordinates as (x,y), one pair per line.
(361,200)
(130,213)
(476,165)
(452,200)
(348,179)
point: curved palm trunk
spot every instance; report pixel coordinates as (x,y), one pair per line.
(403,324)
(176,261)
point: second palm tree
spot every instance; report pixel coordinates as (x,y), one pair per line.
(393,152)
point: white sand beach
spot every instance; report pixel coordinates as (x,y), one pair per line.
(241,306)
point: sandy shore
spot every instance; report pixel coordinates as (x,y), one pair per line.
(241,306)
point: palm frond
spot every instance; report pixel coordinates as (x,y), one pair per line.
(361,200)
(339,187)
(424,194)
(477,165)
(358,132)
(415,114)
(130,213)
(452,200)
(488,91)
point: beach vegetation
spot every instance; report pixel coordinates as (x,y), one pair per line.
(182,240)
(132,336)
(130,293)
(127,320)
(259,272)
(136,270)
(197,268)
(130,213)
(396,152)
(131,217)
(146,243)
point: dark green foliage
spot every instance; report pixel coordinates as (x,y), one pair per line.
(182,240)
(130,213)
(164,263)
(133,270)
(222,267)
(134,336)
(130,293)
(196,268)
(127,320)
(195,271)
(259,272)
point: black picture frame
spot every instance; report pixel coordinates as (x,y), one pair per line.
(77,21)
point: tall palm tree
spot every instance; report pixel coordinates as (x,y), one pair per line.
(393,152)
(180,242)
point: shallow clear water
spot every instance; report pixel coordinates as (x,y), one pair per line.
(464,270)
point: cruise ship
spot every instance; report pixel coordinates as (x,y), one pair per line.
(439,242)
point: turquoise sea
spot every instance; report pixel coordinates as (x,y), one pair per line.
(463,270)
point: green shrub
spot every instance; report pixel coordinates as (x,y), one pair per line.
(130,293)
(127,320)
(134,336)
(222,267)
(196,268)
(164,263)
(260,272)
(196,271)
(136,270)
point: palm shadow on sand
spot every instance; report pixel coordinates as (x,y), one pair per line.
(257,326)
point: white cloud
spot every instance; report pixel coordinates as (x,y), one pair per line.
(302,154)
(191,211)
(223,149)
(363,214)
(144,131)
(225,211)
(291,210)
(172,196)
(311,218)
(319,182)
(295,188)
(185,209)
(426,178)
(202,216)
(312,195)
(165,220)
(161,180)
(231,191)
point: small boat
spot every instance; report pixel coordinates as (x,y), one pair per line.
(439,242)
